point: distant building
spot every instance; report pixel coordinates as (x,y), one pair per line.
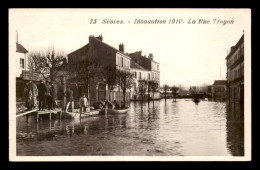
(144,68)
(219,90)
(148,63)
(235,72)
(140,73)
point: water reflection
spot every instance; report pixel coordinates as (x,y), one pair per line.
(235,129)
(179,128)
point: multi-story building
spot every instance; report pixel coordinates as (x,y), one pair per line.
(235,72)
(21,65)
(144,68)
(21,59)
(104,55)
(148,63)
(219,90)
(140,73)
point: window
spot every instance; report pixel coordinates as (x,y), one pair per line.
(158,67)
(135,75)
(21,63)
(140,75)
(148,75)
(122,62)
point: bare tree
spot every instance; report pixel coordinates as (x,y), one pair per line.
(125,80)
(88,72)
(165,88)
(47,62)
(110,77)
(142,87)
(152,87)
(174,92)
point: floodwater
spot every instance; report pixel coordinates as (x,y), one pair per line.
(160,128)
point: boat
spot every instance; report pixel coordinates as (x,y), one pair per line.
(76,115)
(115,111)
(196,101)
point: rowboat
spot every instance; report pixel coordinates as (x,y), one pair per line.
(76,115)
(114,111)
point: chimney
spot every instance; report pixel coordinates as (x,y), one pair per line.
(100,38)
(232,48)
(150,56)
(122,48)
(16,36)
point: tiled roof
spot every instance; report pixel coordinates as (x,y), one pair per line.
(111,47)
(219,82)
(20,48)
(116,50)
(137,66)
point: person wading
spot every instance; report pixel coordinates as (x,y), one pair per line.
(70,99)
(48,99)
(41,94)
(53,96)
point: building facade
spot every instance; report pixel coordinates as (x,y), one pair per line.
(219,90)
(21,60)
(21,65)
(235,72)
(105,55)
(144,68)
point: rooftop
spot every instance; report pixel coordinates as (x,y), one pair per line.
(134,65)
(20,49)
(220,82)
(104,44)
(234,48)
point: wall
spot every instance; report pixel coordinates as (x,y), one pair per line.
(18,70)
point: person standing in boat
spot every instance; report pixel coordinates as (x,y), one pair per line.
(69,96)
(83,103)
(41,94)
(116,105)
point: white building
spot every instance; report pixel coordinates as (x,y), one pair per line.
(21,60)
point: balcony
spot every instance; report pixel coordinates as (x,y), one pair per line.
(238,61)
(241,78)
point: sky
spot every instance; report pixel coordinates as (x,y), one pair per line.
(189,54)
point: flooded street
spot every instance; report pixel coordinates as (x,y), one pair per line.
(160,128)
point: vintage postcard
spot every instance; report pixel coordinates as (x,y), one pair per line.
(129,84)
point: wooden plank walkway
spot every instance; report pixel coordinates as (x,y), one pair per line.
(56,111)
(25,113)
(38,113)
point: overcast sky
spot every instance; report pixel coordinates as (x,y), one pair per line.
(188,54)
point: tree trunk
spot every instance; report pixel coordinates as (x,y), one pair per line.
(124,91)
(109,99)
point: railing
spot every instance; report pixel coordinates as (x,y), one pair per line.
(238,61)
(241,78)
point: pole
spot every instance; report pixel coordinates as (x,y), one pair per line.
(63,80)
